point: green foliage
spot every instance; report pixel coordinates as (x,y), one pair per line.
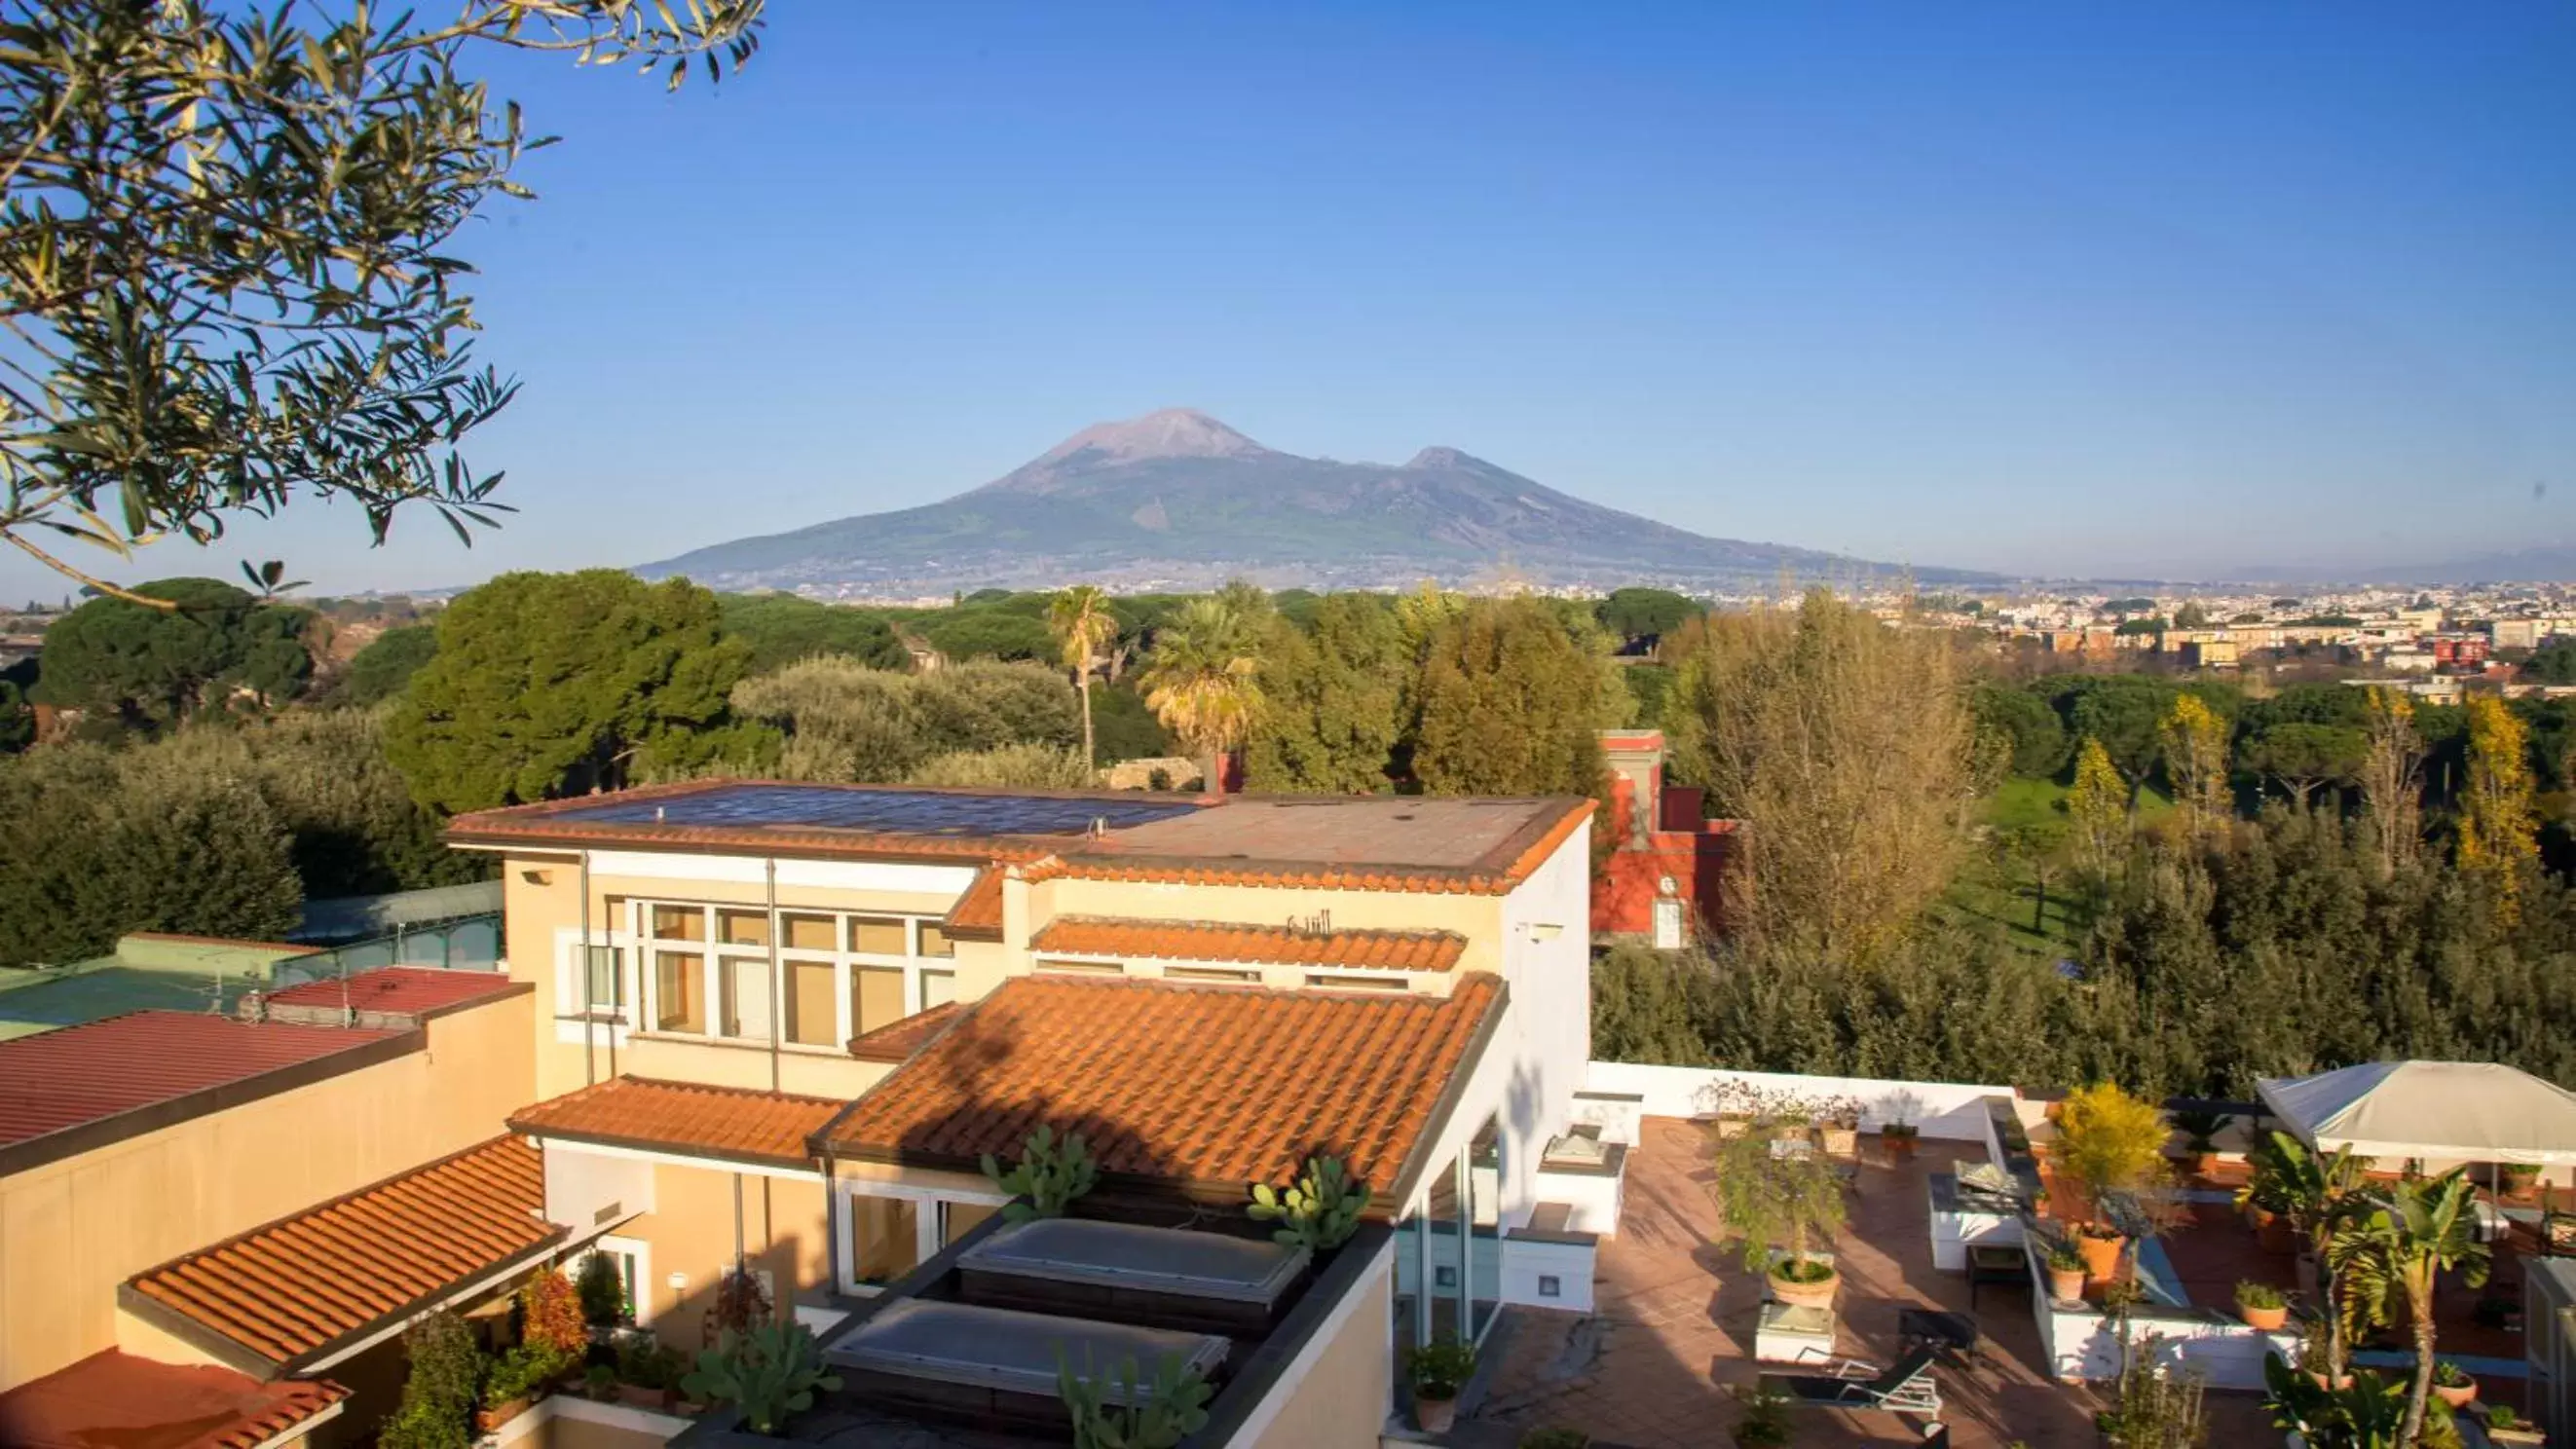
(1124,727)
(1203,678)
(1049,1176)
(2191,615)
(602,1291)
(1765,1422)
(17,722)
(552,684)
(2109,1142)
(442,1382)
(519,1372)
(2305,756)
(1651,1006)
(1771,1199)
(1649,686)
(1149,1415)
(2200,1127)
(769,1373)
(1319,1211)
(648,1363)
(1336,695)
(1440,1368)
(779,629)
(2018,727)
(1007,767)
(1643,614)
(94,844)
(1511,704)
(225,255)
(2152,624)
(992,631)
(384,668)
(150,665)
(2121,711)
(2552,663)
(2251,1294)
(846,723)
(2368,1414)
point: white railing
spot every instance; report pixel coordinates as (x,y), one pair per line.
(1953,1111)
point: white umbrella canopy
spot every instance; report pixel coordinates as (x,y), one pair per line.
(2477,1111)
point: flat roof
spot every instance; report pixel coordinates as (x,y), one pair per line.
(413,991)
(146,1069)
(1411,842)
(116,1398)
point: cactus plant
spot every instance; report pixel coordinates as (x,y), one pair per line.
(769,1373)
(1318,1211)
(1048,1177)
(1157,1416)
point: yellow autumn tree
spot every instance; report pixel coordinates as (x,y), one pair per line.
(2098,802)
(2499,824)
(2195,751)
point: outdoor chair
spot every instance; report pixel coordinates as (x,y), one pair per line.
(1906,1388)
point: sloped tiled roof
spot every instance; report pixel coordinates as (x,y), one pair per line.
(737,1123)
(903,1038)
(115,1400)
(279,1295)
(1211,1086)
(977,916)
(397,991)
(57,1080)
(1267,945)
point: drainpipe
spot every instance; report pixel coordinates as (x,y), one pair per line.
(832,1214)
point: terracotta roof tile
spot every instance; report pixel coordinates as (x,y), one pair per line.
(1224,941)
(1214,1086)
(396,991)
(977,916)
(56,1080)
(738,1123)
(903,1038)
(114,1398)
(280,1294)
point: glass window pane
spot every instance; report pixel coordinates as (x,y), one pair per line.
(886,1244)
(745,986)
(935,942)
(743,928)
(813,1005)
(679,923)
(938,988)
(807,933)
(877,935)
(607,983)
(876,998)
(679,990)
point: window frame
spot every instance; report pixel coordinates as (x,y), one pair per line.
(710,951)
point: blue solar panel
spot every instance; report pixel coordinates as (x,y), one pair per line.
(893,812)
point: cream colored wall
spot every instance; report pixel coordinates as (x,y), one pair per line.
(1343,1392)
(785,1230)
(70,1231)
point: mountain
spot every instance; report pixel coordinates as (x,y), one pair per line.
(1176,498)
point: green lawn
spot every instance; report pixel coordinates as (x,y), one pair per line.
(1989,890)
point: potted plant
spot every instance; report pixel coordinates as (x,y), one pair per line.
(1779,1197)
(769,1374)
(1897,1139)
(2200,1128)
(2518,1177)
(1838,1126)
(2452,1384)
(2110,1143)
(1765,1424)
(601,1291)
(599,1381)
(516,1380)
(1438,1370)
(2262,1306)
(2065,1271)
(551,1321)
(2504,1426)
(648,1373)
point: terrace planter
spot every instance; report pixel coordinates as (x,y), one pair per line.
(2101,1254)
(2457,1398)
(499,1414)
(2270,1320)
(2531,1437)
(1434,1416)
(1732,1127)
(2519,1176)
(1805,1294)
(1897,1143)
(2066,1284)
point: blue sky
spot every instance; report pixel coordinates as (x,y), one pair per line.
(2165,290)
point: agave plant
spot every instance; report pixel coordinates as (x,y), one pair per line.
(1317,1212)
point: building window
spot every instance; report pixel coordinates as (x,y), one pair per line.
(634,1262)
(605,987)
(679,991)
(935,942)
(877,936)
(938,988)
(1391,981)
(1550,1286)
(1210,973)
(679,923)
(743,928)
(876,998)
(841,975)
(813,1017)
(744,988)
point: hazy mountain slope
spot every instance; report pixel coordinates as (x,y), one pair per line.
(1177,495)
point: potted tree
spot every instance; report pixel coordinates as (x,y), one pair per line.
(2262,1306)
(2518,1178)
(2453,1385)
(1438,1370)
(2109,1143)
(1780,1197)
(602,1294)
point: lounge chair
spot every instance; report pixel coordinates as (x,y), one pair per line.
(1905,1388)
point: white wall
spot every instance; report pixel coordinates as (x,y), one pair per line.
(2081,1345)
(1547,959)
(1570,1264)
(1950,1110)
(1594,1197)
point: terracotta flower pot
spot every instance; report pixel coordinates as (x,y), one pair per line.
(1897,1146)
(2066,1284)
(1818,1294)
(499,1414)
(2101,1255)
(644,1398)
(2319,1380)
(1434,1415)
(2458,1398)
(2270,1320)
(2204,1163)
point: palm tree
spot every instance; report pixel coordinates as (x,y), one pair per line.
(2319,1195)
(1201,681)
(2409,1235)
(1079,618)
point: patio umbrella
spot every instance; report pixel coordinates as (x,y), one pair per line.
(2477,1111)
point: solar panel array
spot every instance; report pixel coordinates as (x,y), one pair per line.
(890,812)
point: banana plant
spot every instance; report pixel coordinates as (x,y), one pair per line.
(1317,1212)
(769,1373)
(1158,1415)
(2396,1251)
(1048,1177)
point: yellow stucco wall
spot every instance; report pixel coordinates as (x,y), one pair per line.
(1343,1393)
(691,1233)
(70,1231)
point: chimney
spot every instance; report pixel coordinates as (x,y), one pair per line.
(1636,759)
